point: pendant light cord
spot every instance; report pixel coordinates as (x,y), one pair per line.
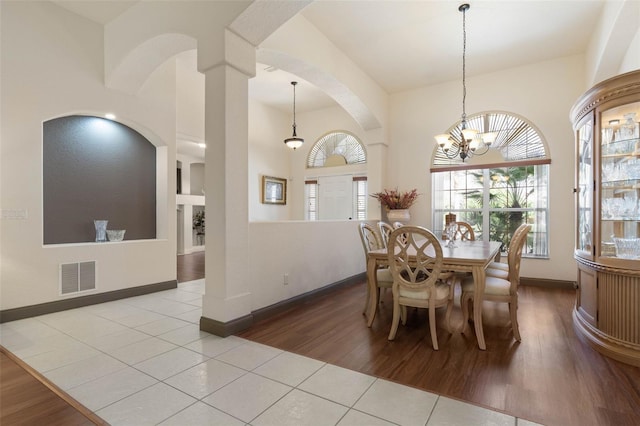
(294,108)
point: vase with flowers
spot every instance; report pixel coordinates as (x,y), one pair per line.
(397,203)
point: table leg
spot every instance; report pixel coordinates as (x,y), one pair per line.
(478,297)
(372,282)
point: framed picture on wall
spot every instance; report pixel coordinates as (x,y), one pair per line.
(274,190)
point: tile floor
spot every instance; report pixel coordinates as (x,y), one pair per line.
(143,361)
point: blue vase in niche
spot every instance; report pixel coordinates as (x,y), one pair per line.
(101,230)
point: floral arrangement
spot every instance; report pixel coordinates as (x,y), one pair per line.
(393,199)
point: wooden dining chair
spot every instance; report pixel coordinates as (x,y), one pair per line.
(464,232)
(397,225)
(371,240)
(500,289)
(415,261)
(385,230)
(500,269)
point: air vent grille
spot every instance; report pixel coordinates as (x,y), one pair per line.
(77,277)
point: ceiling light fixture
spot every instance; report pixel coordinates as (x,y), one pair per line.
(294,141)
(465,142)
(110,116)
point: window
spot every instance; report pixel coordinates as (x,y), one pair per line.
(336,149)
(497,198)
(360,198)
(311,197)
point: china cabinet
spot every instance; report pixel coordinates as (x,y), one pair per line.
(607,245)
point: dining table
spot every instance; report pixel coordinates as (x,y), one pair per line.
(466,256)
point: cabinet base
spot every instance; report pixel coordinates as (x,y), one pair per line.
(625,352)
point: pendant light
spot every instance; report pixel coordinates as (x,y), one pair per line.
(466,142)
(294,141)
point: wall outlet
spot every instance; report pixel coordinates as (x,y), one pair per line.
(285,279)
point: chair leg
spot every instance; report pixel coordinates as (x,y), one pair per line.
(366,300)
(403,314)
(447,316)
(465,300)
(513,309)
(395,321)
(432,327)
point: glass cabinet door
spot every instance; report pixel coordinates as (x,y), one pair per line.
(620,182)
(584,219)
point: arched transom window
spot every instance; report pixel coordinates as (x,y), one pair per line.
(336,149)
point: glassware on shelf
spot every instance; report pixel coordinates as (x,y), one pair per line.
(629,129)
(627,248)
(101,230)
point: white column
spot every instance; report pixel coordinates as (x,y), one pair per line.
(377,150)
(227,298)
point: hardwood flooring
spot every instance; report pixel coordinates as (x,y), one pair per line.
(26,398)
(551,377)
(190,266)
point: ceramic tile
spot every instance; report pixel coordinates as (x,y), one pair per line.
(147,407)
(180,295)
(451,412)
(161,326)
(337,384)
(191,316)
(60,357)
(299,408)
(201,414)
(142,350)
(195,286)
(213,346)
(140,318)
(205,378)
(106,390)
(84,371)
(26,346)
(170,363)
(249,356)
(289,368)
(172,307)
(247,397)
(357,418)
(29,327)
(184,335)
(113,310)
(116,340)
(397,403)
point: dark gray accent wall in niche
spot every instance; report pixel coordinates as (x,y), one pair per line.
(94,168)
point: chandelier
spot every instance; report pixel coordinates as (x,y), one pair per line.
(464,142)
(294,141)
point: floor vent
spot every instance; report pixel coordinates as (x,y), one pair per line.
(77,277)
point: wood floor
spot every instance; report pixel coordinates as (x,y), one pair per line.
(190,266)
(26,398)
(551,377)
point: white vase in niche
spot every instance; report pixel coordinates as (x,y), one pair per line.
(101,230)
(399,215)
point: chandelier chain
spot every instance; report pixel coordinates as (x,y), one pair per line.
(464,66)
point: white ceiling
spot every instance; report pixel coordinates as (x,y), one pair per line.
(408,44)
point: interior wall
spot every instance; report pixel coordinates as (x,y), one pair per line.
(96,169)
(543,93)
(311,254)
(197,179)
(52,65)
(269,156)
